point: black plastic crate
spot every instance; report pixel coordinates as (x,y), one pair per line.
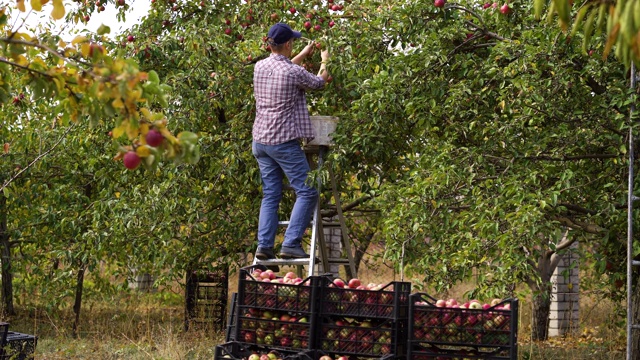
(19,346)
(231,321)
(206,299)
(366,338)
(276,314)
(237,351)
(255,292)
(453,332)
(391,301)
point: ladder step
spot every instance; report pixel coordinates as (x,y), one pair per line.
(302,261)
(286,223)
(338,261)
(635,263)
(331,224)
(635,326)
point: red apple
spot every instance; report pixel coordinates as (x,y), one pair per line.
(154,138)
(131,160)
(335,7)
(121,2)
(441,303)
(131,38)
(338,283)
(307,25)
(354,283)
(292,10)
(438,3)
(331,23)
(505,9)
(317,27)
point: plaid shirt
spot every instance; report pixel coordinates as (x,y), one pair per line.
(281,105)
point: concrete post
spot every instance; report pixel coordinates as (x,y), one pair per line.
(564,314)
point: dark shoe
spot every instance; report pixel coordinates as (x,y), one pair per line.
(267,254)
(293,253)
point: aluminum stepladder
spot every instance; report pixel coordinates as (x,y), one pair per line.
(317,246)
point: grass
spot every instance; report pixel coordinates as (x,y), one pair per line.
(151,326)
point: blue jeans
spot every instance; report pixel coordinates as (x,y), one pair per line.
(274,162)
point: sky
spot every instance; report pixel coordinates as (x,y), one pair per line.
(136,11)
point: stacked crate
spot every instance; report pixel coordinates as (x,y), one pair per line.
(19,346)
(206,300)
(321,317)
(274,312)
(363,323)
(460,333)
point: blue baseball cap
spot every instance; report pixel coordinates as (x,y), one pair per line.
(280,33)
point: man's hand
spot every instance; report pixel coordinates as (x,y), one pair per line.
(307,51)
(324,55)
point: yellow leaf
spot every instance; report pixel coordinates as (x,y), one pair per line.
(119,131)
(58,10)
(143,151)
(117,194)
(36,5)
(20,5)
(85,49)
(146,113)
(22,60)
(117,103)
(144,128)
(79,39)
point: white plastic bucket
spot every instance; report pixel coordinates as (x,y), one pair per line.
(323,126)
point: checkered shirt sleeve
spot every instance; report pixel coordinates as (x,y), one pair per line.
(281,105)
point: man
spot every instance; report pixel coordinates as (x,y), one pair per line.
(282,120)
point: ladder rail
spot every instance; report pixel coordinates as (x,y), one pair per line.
(630,199)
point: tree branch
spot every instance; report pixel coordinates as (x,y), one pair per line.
(577,208)
(347,207)
(16,175)
(577,224)
(571,158)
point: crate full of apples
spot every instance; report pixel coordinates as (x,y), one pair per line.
(362,338)
(448,328)
(355,299)
(237,351)
(275,312)
(261,288)
(274,329)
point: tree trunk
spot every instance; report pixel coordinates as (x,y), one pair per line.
(361,249)
(540,314)
(77,305)
(7,273)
